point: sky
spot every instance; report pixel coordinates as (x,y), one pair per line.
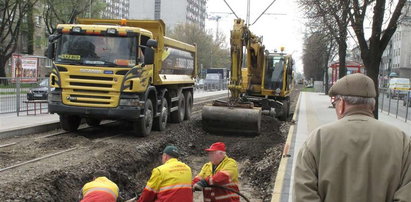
(283,29)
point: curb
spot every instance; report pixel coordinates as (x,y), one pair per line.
(30,130)
(282,168)
(53,125)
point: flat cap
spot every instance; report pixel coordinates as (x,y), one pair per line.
(358,85)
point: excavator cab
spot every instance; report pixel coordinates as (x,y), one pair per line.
(278,74)
(274,73)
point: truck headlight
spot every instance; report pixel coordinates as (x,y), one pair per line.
(130,102)
(54,97)
(278,91)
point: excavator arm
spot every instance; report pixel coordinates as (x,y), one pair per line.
(237,116)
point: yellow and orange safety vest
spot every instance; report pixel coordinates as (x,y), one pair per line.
(225,174)
(100,189)
(169,182)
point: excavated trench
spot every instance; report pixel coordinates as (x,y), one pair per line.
(130,160)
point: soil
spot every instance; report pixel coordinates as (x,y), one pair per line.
(130,159)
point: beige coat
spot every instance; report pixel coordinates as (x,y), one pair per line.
(355,159)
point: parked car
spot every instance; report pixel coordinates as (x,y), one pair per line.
(200,84)
(398,87)
(40,92)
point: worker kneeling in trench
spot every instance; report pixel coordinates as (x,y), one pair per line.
(218,179)
(100,189)
(170,181)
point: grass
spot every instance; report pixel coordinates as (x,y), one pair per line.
(308,90)
(23,85)
(13,93)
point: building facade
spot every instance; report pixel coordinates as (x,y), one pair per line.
(172,12)
(116,9)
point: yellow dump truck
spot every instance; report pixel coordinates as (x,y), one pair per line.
(120,70)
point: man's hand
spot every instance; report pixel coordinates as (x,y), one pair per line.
(199,186)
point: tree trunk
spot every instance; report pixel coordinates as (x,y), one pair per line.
(3,62)
(342,53)
(373,68)
(30,32)
(326,80)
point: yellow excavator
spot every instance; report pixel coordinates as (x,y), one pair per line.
(260,83)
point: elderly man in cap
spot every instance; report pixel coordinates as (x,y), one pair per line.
(169,182)
(356,158)
(222,171)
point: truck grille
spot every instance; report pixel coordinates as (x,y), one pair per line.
(91,91)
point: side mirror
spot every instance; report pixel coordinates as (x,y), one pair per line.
(152,43)
(148,56)
(50,51)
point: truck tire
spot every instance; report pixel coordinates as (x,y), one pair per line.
(160,123)
(189,105)
(93,122)
(285,110)
(70,122)
(142,127)
(178,115)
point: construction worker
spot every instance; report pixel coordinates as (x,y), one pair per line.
(169,182)
(101,189)
(220,171)
(356,158)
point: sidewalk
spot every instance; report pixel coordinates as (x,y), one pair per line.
(313,111)
(12,122)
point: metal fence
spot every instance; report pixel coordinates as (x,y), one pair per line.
(396,103)
(212,85)
(15,92)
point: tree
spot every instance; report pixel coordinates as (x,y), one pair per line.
(319,47)
(62,11)
(211,52)
(334,16)
(12,13)
(371,51)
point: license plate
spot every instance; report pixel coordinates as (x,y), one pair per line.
(38,95)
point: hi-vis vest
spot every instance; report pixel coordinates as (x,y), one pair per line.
(226,174)
(100,189)
(169,182)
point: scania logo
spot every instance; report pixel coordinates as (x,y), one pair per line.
(71,98)
(93,71)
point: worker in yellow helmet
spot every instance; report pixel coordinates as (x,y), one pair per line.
(169,182)
(101,189)
(220,171)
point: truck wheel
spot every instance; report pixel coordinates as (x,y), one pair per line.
(178,115)
(93,122)
(160,123)
(70,122)
(142,127)
(285,110)
(189,105)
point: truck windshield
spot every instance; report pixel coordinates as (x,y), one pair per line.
(274,73)
(97,50)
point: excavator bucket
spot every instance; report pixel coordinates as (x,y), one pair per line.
(231,120)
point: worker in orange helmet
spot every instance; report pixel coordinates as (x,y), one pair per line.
(220,171)
(169,182)
(101,189)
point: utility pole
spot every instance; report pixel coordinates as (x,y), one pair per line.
(247,20)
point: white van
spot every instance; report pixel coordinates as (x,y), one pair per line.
(399,87)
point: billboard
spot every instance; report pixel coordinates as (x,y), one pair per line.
(25,68)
